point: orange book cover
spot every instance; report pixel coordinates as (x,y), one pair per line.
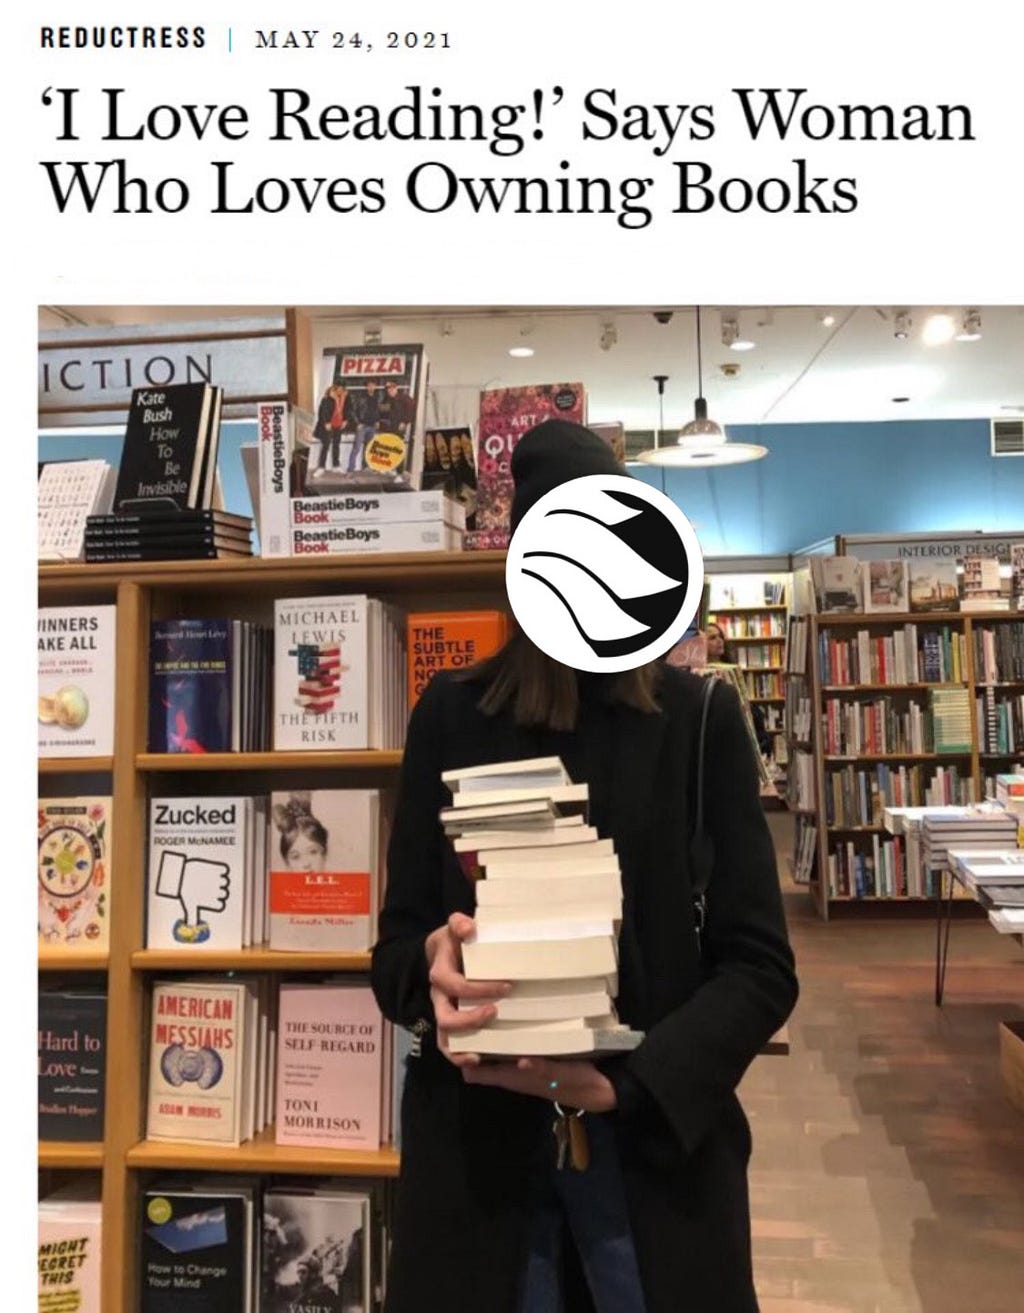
(449,640)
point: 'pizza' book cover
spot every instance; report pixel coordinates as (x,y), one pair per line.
(195,1250)
(329,1066)
(76,647)
(190,685)
(505,415)
(316,1251)
(320,673)
(196,1061)
(74,873)
(165,453)
(323,870)
(369,419)
(72,1034)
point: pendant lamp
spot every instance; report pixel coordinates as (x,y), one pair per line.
(702,441)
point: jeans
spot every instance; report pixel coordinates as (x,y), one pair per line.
(593,1206)
(363,435)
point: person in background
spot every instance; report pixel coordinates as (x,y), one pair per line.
(659,1221)
(721,650)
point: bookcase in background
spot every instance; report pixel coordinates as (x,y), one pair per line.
(243,589)
(901,710)
(751,606)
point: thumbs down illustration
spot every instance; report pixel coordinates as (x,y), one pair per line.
(199,886)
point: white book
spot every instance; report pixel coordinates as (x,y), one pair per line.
(550,1007)
(532,772)
(562,830)
(541,959)
(543,909)
(552,857)
(282,429)
(552,892)
(562,795)
(336,539)
(608,865)
(70,1225)
(76,670)
(1008,920)
(379,508)
(546,1039)
(528,814)
(197,873)
(564,928)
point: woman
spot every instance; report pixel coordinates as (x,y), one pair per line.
(479,1186)
(720,650)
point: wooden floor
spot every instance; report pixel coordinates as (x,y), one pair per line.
(888,1166)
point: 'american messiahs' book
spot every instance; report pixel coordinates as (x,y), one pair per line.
(74,873)
(196,1248)
(368,431)
(76,680)
(329,1066)
(190,686)
(505,415)
(72,1064)
(196,1063)
(170,440)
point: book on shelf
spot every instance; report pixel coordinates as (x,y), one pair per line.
(951,719)
(329,1066)
(169,456)
(368,430)
(324,869)
(198,1246)
(72,1036)
(505,415)
(1017,575)
(328,539)
(68,493)
(204,1060)
(76,671)
(167,535)
(338,666)
(69,1233)
(448,640)
(934,585)
(886,586)
(285,437)
(201,875)
(612,432)
(74,873)
(317,1249)
(838,585)
(449,464)
(982,581)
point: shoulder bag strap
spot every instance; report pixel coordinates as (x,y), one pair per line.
(702,853)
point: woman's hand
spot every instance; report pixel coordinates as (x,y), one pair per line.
(448,985)
(571,1082)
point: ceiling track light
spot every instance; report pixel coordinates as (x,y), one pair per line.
(373,334)
(731,335)
(970,328)
(901,325)
(938,329)
(826,318)
(702,441)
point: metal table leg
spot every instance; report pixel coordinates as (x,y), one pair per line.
(943,920)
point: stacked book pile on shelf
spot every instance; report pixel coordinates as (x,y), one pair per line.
(548,909)
(165,534)
(923,836)
(995,878)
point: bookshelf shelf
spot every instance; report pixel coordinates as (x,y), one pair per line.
(261,1154)
(247,959)
(70,1153)
(85,960)
(749,610)
(779,700)
(898,756)
(266,761)
(888,688)
(74,765)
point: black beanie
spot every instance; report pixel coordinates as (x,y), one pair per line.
(552,453)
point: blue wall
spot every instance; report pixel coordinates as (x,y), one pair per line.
(822,479)
(816,481)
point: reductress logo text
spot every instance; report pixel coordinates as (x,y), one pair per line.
(604,573)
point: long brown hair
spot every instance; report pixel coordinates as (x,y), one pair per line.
(541,691)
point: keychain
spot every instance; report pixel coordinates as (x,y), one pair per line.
(571,1140)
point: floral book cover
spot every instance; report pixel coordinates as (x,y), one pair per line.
(74,873)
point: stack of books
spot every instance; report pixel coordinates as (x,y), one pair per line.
(167,534)
(996,879)
(70,492)
(549,905)
(929,832)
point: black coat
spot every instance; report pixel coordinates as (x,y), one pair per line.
(472,1155)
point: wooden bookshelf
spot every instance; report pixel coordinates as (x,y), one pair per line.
(142,591)
(960,629)
(261,1154)
(70,1154)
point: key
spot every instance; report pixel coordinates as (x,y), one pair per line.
(579,1144)
(561,1134)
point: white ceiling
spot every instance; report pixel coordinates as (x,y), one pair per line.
(800,370)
